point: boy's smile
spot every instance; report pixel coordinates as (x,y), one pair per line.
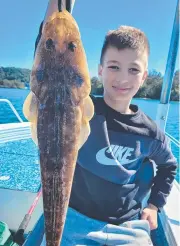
(122,74)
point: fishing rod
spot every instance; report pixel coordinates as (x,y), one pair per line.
(19,235)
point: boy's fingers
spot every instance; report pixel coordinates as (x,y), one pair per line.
(66,4)
(144,216)
(152,223)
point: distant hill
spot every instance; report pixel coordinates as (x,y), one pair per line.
(150,89)
(12,77)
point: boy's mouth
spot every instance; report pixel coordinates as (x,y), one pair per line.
(121,89)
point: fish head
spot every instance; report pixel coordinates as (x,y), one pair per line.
(60,67)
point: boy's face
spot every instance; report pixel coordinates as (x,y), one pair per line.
(122,73)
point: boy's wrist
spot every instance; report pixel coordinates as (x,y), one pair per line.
(151,206)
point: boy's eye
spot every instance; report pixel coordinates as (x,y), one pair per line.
(134,70)
(114,67)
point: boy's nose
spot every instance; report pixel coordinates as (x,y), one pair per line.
(122,77)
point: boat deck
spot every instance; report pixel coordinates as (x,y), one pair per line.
(19,175)
(20,179)
(19,164)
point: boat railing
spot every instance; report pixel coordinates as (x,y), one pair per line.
(173,140)
(13,108)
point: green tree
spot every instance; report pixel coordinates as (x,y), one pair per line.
(12,77)
(152,86)
(96,86)
(175,94)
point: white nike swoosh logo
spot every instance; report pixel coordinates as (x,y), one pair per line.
(104,160)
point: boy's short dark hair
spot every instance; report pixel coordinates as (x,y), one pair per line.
(125,37)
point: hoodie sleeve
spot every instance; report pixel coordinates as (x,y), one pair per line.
(166,172)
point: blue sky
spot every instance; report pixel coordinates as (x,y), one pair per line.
(20,20)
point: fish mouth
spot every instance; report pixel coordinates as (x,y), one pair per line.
(63,15)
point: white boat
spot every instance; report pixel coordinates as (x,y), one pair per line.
(17,199)
(18,192)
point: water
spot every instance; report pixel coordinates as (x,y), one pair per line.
(17,97)
(13,168)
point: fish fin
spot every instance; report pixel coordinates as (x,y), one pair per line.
(30,110)
(87,114)
(88,110)
(34,132)
(30,107)
(84,134)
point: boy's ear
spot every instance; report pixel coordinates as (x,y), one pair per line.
(144,77)
(100,70)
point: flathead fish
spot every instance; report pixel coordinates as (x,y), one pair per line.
(59,109)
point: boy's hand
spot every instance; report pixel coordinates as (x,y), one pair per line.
(150,214)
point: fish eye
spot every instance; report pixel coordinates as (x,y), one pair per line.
(72,46)
(49,44)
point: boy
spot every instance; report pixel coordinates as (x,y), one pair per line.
(121,138)
(112,176)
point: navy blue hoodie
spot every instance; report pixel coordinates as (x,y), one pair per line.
(114,171)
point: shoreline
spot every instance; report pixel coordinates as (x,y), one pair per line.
(143,98)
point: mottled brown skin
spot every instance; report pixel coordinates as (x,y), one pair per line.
(60,86)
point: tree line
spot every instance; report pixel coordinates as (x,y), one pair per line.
(151,88)
(11,77)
